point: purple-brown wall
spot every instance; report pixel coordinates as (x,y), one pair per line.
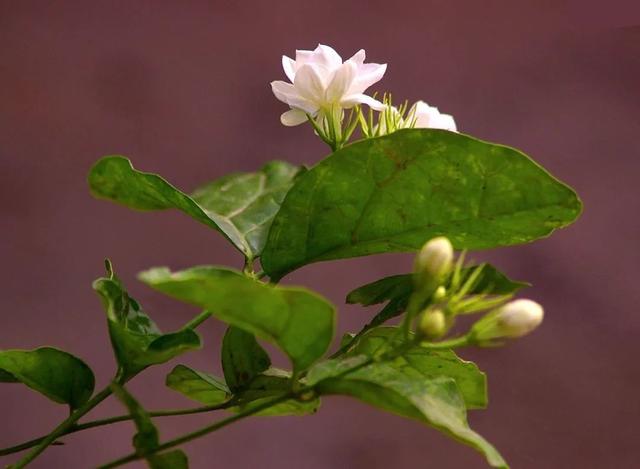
(183,89)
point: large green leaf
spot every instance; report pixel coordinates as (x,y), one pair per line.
(424,363)
(402,388)
(397,289)
(197,385)
(206,389)
(147,439)
(136,340)
(393,193)
(242,358)
(58,375)
(241,206)
(298,321)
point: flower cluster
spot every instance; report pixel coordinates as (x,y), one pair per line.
(322,86)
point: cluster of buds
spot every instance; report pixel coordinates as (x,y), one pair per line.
(437,283)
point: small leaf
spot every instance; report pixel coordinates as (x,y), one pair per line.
(241,206)
(397,289)
(136,340)
(298,321)
(58,375)
(399,387)
(393,193)
(198,386)
(147,439)
(242,358)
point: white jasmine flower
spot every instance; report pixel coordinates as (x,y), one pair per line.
(423,116)
(419,116)
(321,82)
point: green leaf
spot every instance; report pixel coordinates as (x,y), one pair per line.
(297,320)
(244,204)
(397,289)
(269,385)
(401,388)
(424,363)
(147,439)
(198,386)
(206,389)
(242,358)
(241,206)
(136,340)
(393,193)
(58,375)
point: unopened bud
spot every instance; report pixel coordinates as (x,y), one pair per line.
(435,258)
(432,324)
(515,319)
(440,293)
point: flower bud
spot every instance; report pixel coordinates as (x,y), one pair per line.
(435,258)
(432,324)
(515,319)
(440,293)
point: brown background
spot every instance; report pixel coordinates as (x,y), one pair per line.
(183,89)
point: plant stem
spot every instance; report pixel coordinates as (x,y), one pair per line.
(199,319)
(447,344)
(198,433)
(120,418)
(63,427)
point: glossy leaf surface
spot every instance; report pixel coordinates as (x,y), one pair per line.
(58,375)
(242,358)
(136,340)
(424,363)
(410,386)
(297,320)
(393,193)
(241,206)
(197,385)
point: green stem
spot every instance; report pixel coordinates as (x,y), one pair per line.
(63,427)
(198,433)
(120,418)
(199,319)
(223,423)
(448,344)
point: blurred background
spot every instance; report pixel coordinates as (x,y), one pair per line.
(183,89)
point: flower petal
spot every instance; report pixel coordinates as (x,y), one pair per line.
(289,66)
(445,122)
(426,116)
(367,75)
(358,57)
(293,117)
(341,82)
(287,93)
(352,100)
(326,56)
(283,91)
(309,83)
(303,56)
